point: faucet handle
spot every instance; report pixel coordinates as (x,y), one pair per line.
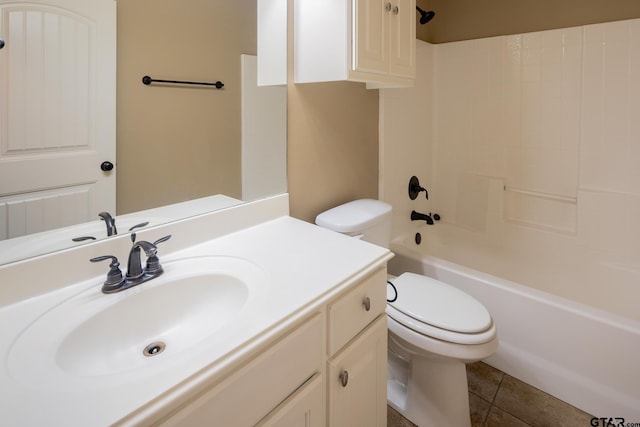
(153,262)
(162,239)
(114,276)
(415,188)
(142,224)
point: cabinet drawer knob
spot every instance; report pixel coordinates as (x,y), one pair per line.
(396,10)
(367,303)
(344,378)
(388,7)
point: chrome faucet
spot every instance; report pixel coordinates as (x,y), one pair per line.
(136,275)
(110,222)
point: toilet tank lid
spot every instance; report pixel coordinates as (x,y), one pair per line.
(354,216)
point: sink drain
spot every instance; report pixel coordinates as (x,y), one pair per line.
(154,349)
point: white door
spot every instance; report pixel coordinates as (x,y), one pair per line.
(57,113)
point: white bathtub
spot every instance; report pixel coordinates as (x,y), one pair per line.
(583,355)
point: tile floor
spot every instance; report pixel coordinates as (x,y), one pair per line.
(499,400)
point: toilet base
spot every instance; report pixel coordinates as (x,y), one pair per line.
(429,392)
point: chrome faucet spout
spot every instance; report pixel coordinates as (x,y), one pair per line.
(110,223)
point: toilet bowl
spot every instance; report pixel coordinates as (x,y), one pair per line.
(433,329)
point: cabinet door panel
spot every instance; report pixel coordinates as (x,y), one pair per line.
(361,399)
(369,36)
(304,409)
(255,389)
(402,38)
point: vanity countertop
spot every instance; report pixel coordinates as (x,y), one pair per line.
(303,267)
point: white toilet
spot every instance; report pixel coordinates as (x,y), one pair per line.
(434,329)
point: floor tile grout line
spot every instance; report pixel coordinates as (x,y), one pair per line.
(493,404)
(495,395)
(483,422)
(493,400)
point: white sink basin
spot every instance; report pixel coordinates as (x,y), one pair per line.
(94,335)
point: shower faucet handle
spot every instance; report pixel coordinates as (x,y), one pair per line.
(415,188)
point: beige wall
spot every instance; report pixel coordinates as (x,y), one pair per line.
(471,19)
(332,146)
(333,127)
(177,143)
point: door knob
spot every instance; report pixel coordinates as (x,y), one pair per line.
(106,166)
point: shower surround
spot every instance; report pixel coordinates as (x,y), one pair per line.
(529,147)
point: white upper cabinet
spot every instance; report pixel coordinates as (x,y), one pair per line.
(370,41)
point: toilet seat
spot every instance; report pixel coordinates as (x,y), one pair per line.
(438,310)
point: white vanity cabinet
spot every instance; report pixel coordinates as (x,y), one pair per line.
(357,365)
(301,313)
(275,376)
(328,370)
(370,41)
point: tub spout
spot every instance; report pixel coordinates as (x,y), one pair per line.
(417,216)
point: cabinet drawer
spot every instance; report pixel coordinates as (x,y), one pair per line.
(349,314)
(255,389)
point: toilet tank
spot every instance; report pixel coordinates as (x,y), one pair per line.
(367,219)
